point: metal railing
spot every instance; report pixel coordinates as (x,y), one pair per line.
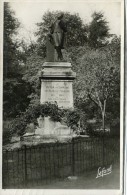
(38,165)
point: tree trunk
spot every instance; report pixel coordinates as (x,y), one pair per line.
(103,126)
(103,121)
(103,116)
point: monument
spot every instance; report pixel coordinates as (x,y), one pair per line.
(56,80)
(56,83)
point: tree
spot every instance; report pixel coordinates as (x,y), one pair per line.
(76,30)
(98,77)
(10,58)
(98,30)
(16,98)
(15,90)
(32,74)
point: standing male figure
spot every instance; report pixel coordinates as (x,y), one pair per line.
(58,30)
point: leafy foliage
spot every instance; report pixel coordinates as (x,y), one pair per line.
(7,133)
(15,97)
(32,71)
(97,72)
(98,30)
(10,57)
(72,119)
(15,90)
(97,79)
(76,30)
(44,110)
(96,87)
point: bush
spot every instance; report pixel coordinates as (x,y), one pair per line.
(91,130)
(70,117)
(7,131)
(6,137)
(115,127)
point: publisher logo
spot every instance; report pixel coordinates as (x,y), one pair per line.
(103,171)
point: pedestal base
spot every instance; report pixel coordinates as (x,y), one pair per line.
(51,128)
(56,84)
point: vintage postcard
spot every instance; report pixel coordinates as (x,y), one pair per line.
(62,86)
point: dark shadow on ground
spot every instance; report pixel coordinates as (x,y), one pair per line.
(89,181)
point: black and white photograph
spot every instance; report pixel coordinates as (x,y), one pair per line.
(63,91)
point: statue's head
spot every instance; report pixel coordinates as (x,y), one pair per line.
(60,16)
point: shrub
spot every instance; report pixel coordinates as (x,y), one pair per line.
(70,117)
(7,131)
(6,137)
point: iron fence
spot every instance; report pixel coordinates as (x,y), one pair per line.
(38,165)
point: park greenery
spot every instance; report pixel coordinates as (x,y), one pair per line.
(95,57)
(66,116)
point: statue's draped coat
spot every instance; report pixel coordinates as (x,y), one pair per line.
(58,30)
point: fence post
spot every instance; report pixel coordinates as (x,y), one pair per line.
(73,158)
(25,166)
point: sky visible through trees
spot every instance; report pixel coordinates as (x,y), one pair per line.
(31,13)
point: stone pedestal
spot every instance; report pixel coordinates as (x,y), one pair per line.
(56,84)
(49,127)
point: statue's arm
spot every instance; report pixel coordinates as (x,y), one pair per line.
(51,28)
(63,26)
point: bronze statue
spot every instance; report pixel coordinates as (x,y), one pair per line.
(57,35)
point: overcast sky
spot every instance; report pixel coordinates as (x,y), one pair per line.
(29,13)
